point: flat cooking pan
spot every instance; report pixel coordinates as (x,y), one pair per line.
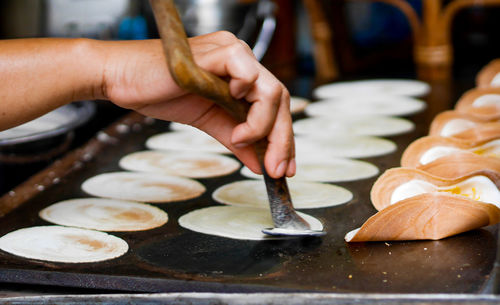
(171,258)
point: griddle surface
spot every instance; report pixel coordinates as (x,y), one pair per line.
(171,258)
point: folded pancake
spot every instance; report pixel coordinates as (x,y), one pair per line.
(489,76)
(192,141)
(104,214)
(186,164)
(142,187)
(426,216)
(397,184)
(63,244)
(343,146)
(427,149)
(450,123)
(481,102)
(367,105)
(460,164)
(305,195)
(404,87)
(480,133)
(298,104)
(331,170)
(236,222)
(353,125)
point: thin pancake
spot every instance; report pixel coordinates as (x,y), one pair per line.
(143,187)
(305,195)
(63,244)
(367,105)
(105,214)
(325,147)
(333,170)
(404,87)
(235,222)
(353,125)
(192,141)
(192,165)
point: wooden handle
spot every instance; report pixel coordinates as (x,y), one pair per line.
(181,63)
(186,72)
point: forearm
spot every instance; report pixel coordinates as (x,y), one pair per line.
(39,75)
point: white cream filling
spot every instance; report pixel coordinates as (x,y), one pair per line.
(348,237)
(437,152)
(487,99)
(411,188)
(456,126)
(495,82)
(477,188)
(491,148)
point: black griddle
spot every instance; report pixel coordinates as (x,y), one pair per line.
(173,259)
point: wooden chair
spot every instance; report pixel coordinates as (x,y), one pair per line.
(432,51)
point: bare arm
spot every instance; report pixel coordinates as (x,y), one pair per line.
(39,75)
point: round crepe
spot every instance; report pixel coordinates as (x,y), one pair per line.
(193,141)
(236,222)
(367,105)
(323,148)
(305,195)
(63,244)
(105,214)
(353,125)
(405,87)
(298,104)
(333,170)
(147,187)
(193,165)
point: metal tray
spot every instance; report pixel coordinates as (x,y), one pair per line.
(173,259)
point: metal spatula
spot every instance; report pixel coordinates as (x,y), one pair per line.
(194,79)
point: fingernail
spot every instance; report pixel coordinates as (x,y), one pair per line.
(240,145)
(292,167)
(280,169)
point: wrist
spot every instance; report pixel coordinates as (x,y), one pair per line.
(90,60)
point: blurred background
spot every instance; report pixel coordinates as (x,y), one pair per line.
(366,38)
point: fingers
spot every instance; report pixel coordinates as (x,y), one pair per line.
(265,96)
(249,80)
(204,115)
(280,155)
(208,42)
(269,114)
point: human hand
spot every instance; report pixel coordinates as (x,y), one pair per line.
(136,77)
